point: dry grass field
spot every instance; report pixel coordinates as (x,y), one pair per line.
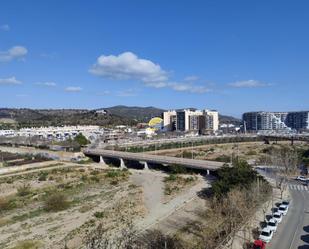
(52,209)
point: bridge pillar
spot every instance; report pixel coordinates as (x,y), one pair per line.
(145,165)
(122,164)
(102,160)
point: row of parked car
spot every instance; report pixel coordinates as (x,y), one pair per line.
(271,225)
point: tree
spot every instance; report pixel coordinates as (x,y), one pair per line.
(81,139)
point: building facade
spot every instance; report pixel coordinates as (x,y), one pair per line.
(211,120)
(191,120)
(275,121)
(169,120)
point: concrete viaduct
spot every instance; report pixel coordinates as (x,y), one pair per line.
(146,159)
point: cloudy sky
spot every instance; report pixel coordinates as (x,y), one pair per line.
(233,56)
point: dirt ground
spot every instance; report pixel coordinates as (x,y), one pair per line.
(96,196)
(89,192)
(250,151)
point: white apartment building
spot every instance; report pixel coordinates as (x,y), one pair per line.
(169,120)
(212,120)
(190,120)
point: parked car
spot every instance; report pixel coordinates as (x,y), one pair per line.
(286,203)
(283,209)
(266,235)
(275,210)
(259,244)
(277,216)
(301,178)
(272,224)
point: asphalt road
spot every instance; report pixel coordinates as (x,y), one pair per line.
(293,231)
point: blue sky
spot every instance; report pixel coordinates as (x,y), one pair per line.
(233,56)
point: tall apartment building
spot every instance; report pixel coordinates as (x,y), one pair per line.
(298,120)
(191,120)
(187,119)
(211,120)
(256,121)
(169,120)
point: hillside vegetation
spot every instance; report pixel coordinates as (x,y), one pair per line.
(58,117)
(116,115)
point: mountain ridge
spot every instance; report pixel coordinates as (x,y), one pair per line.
(115,115)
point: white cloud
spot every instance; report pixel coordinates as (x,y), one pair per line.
(183,87)
(47,83)
(191,78)
(17,52)
(248,84)
(73,89)
(5,27)
(10,81)
(156,84)
(128,66)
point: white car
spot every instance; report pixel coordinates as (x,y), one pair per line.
(283,209)
(277,216)
(266,235)
(286,203)
(272,224)
(301,178)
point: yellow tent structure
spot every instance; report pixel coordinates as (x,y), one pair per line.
(155,123)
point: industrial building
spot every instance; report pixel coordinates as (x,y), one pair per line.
(276,121)
(191,120)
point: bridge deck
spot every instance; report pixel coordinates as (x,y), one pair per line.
(188,163)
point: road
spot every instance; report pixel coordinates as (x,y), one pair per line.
(293,231)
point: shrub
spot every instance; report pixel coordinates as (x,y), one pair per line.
(171,177)
(189,179)
(94,172)
(95,178)
(99,215)
(240,175)
(113,173)
(28,244)
(251,153)
(56,202)
(43,176)
(177,169)
(223,158)
(114,182)
(4,204)
(24,190)
(84,178)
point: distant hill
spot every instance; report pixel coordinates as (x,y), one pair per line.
(57,117)
(141,114)
(229,120)
(144,114)
(115,115)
